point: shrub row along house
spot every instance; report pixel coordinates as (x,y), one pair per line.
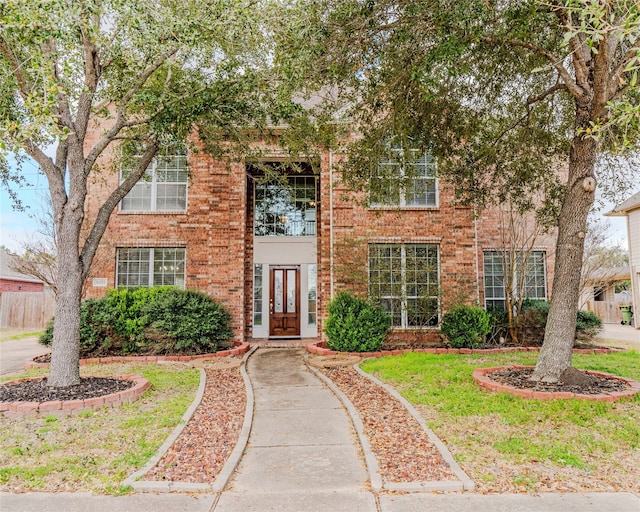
(275,247)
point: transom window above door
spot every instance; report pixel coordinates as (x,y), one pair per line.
(285,206)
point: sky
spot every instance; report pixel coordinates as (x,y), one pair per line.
(18,227)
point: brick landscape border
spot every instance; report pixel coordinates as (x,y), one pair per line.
(480,376)
(320,348)
(71,407)
(240,348)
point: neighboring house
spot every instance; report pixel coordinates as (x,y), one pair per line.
(631,210)
(276,252)
(12,281)
(599,296)
(25,301)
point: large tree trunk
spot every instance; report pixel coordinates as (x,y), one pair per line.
(65,353)
(557,348)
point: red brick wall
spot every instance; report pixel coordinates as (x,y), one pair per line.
(217,233)
(9,285)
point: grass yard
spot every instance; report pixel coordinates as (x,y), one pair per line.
(510,444)
(95,450)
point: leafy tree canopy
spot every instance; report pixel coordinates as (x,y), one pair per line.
(79,79)
(505,94)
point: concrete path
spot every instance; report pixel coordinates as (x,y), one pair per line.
(620,333)
(13,353)
(303,453)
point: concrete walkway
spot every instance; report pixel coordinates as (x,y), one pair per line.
(303,456)
(303,453)
(14,353)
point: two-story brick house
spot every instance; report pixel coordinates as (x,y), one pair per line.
(276,251)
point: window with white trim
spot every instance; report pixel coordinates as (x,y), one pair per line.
(150,266)
(404,280)
(535,279)
(257,294)
(162,188)
(405,182)
(285,209)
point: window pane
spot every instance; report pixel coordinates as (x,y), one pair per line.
(133,267)
(257,294)
(399,182)
(312,293)
(169,267)
(286,209)
(404,280)
(163,186)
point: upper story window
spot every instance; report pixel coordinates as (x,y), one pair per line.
(285,207)
(406,179)
(162,188)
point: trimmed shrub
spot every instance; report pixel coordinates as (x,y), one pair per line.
(187,321)
(130,321)
(466,326)
(355,325)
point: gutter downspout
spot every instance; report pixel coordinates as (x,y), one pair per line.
(475,240)
(331,223)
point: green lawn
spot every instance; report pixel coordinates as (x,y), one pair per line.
(95,450)
(508,443)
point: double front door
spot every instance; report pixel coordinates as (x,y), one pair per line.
(284,301)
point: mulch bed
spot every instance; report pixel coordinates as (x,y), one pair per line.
(592,384)
(403,450)
(37,390)
(204,445)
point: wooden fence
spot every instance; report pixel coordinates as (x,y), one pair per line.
(26,310)
(607,310)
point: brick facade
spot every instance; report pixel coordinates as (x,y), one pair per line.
(217,234)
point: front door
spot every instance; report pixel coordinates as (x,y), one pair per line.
(284,301)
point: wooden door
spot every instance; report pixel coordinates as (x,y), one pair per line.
(284,301)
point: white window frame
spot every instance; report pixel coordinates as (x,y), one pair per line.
(404,298)
(179,280)
(419,159)
(288,221)
(541,256)
(150,180)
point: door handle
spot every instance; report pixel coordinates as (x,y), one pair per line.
(271,307)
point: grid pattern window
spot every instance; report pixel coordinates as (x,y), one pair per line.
(405,182)
(535,280)
(257,294)
(149,266)
(312,293)
(404,279)
(162,188)
(285,208)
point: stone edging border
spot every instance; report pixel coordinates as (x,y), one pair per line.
(71,407)
(465,482)
(136,480)
(240,349)
(320,348)
(480,376)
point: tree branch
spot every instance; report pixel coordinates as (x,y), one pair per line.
(104,213)
(23,84)
(551,90)
(576,90)
(615,78)
(144,76)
